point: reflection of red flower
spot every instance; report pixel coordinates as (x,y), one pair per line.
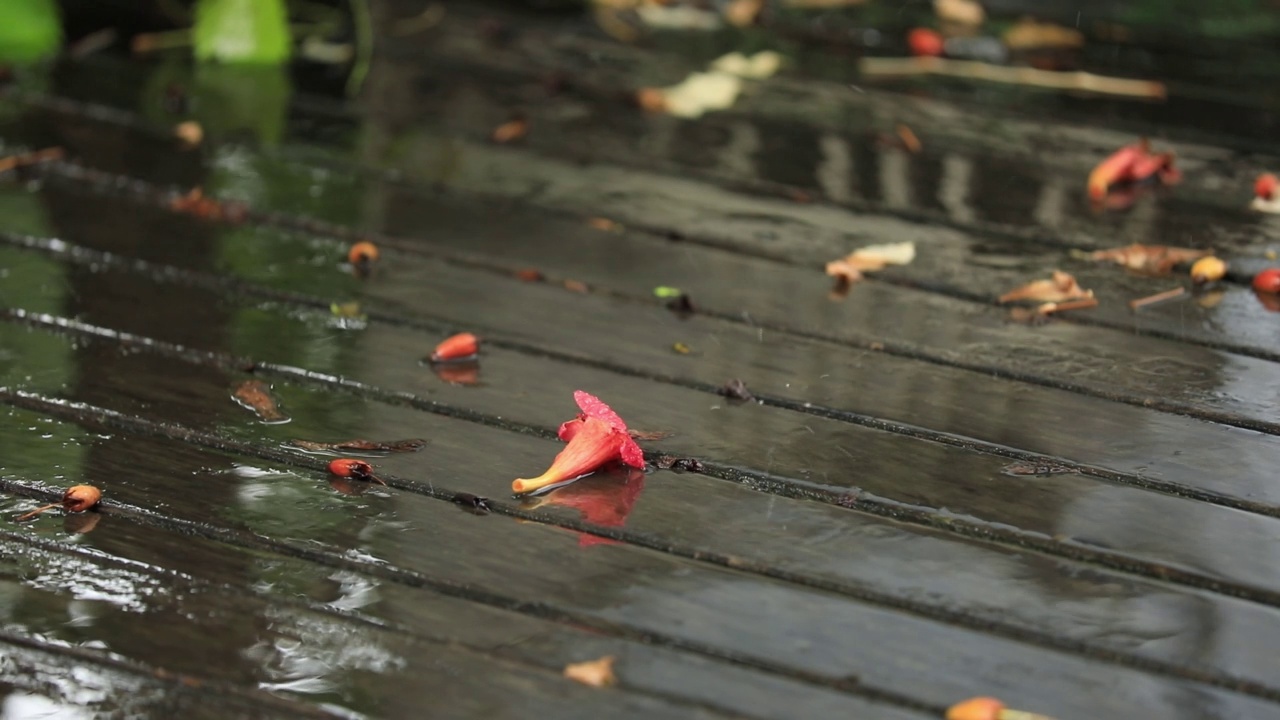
(596,437)
(601,500)
(464,372)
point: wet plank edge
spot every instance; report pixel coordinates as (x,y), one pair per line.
(216,691)
(905,280)
(144,191)
(331,557)
(229,284)
(764,482)
(188,583)
(88,415)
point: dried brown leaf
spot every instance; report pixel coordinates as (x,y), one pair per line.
(1062,286)
(596,673)
(869,259)
(1148,259)
(256,396)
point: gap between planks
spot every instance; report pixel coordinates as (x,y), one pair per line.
(401,631)
(335,558)
(98,417)
(228,284)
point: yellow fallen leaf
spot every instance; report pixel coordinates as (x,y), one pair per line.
(961,12)
(1028,34)
(762,65)
(596,673)
(701,93)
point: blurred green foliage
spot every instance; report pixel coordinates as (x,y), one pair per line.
(30,30)
(244,32)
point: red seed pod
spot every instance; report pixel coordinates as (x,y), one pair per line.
(1265,186)
(924,42)
(462,346)
(81,498)
(1267,281)
(76,499)
(352,468)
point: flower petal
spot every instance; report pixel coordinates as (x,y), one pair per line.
(569,428)
(631,453)
(594,407)
(593,446)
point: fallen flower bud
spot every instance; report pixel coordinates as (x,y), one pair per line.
(596,673)
(463,346)
(1264,187)
(596,438)
(987,708)
(352,468)
(924,42)
(76,499)
(1062,286)
(1131,163)
(1207,270)
(1267,281)
(362,256)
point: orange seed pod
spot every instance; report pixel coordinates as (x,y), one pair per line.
(458,347)
(362,253)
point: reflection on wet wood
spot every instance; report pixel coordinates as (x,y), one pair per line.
(923,503)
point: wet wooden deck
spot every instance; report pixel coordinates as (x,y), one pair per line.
(857,542)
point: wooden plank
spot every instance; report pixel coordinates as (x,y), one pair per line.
(302,651)
(962,263)
(660,596)
(577,252)
(543,645)
(871,450)
(747,526)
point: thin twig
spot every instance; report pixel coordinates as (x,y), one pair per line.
(1157,298)
(1032,77)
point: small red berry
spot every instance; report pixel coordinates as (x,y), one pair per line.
(1267,281)
(1265,186)
(924,42)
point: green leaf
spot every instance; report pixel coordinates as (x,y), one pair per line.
(664,291)
(242,32)
(29,30)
